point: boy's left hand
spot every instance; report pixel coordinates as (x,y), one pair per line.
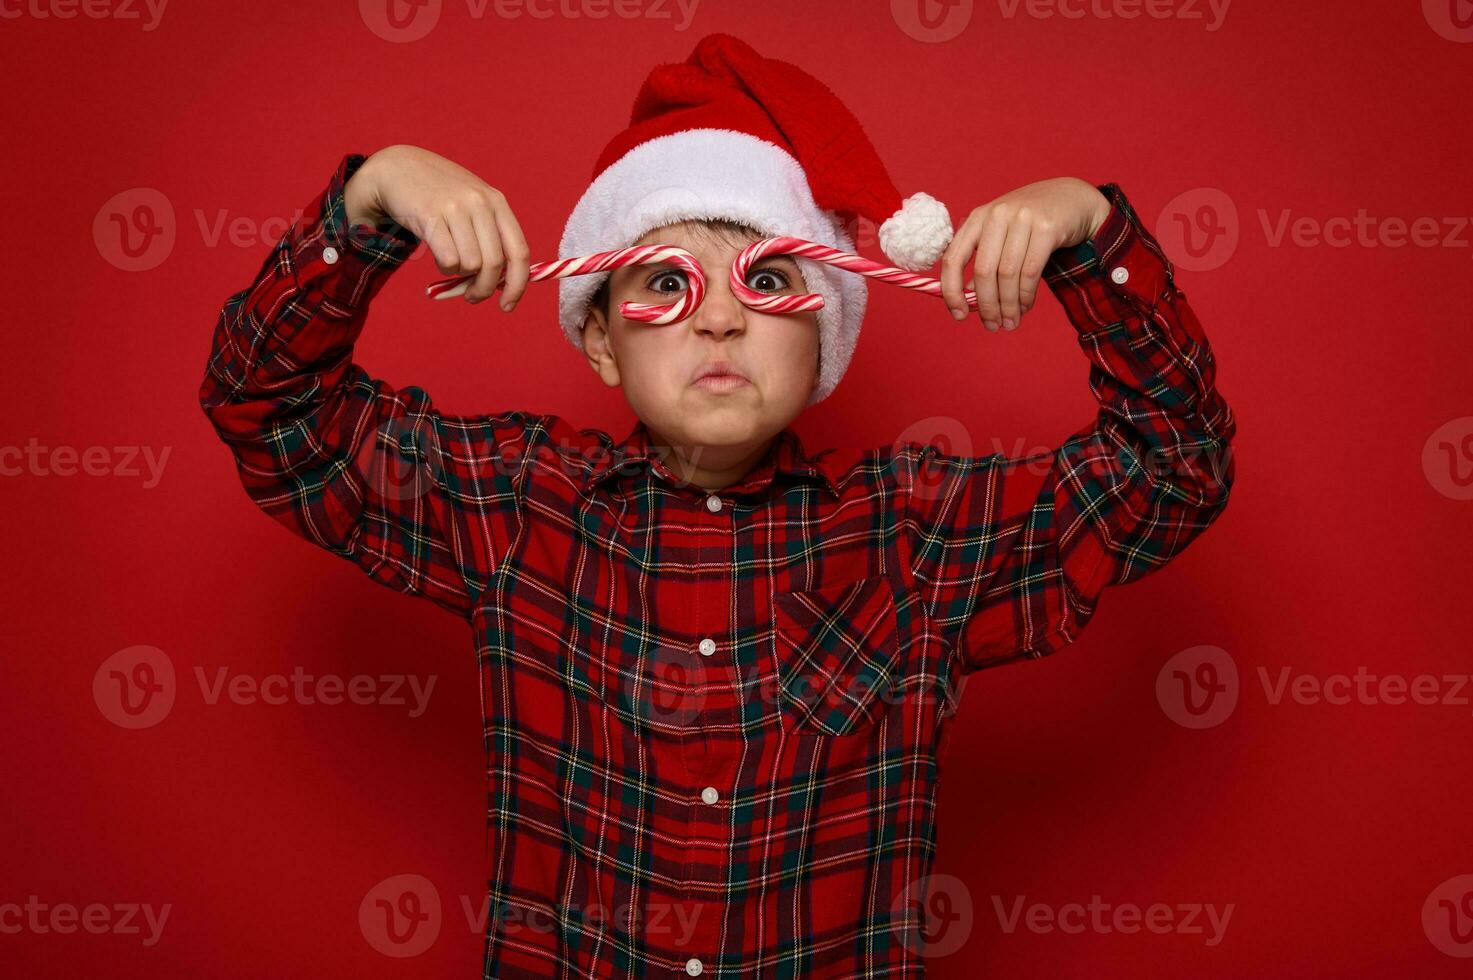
(1011,239)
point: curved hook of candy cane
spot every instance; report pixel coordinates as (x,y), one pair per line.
(800,248)
(652,313)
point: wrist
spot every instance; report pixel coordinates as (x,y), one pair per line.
(360,197)
(1097,215)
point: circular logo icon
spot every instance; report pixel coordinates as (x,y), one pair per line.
(1198,229)
(1447,916)
(933,916)
(400,916)
(399,21)
(663,690)
(1451,19)
(932,21)
(1198,688)
(402,460)
(1447,459)
(135,688)
(135,229)
(938,434)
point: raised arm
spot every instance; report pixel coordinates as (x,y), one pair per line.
(424,503)
(1012,554)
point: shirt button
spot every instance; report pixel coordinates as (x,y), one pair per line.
(713,503)
(693,967)
(708,647)
(709,795)
(330,255)
(1119,274)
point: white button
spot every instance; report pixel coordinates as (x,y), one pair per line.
(708,647)
(330,255)
(1120,273)
(709,795)
(713,503)
(693,967)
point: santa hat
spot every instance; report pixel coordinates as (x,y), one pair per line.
(732,134)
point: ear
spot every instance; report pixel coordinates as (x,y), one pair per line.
(598,346)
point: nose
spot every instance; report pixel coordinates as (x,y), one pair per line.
(720,314)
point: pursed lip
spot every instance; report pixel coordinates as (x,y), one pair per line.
(718,369)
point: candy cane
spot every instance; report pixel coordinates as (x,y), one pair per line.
(651,313)
(690,300)
(804,302)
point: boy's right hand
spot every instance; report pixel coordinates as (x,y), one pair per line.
(467,223)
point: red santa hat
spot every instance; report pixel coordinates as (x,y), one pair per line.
(732,134)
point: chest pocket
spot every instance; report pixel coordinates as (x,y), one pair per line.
(838,649)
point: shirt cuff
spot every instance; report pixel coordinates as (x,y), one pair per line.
(1122,257)
(345,265)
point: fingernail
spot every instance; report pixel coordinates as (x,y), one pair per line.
(957,314)
(991,325)
(505,307)
(1008,323)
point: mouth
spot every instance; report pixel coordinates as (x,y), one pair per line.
(719,376)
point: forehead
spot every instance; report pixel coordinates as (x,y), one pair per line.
(695,235)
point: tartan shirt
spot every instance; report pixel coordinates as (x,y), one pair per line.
(714,722)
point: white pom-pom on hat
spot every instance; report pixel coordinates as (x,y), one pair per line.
(915,236)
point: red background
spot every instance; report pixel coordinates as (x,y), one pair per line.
(1326,826)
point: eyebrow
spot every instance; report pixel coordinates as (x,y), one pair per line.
(630,271)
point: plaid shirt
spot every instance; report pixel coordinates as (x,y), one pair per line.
(713,721)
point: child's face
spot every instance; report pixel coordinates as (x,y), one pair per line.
(657,365)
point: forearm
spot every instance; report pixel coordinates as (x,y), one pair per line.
(1154,469)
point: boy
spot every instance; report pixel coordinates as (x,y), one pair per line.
(714,666)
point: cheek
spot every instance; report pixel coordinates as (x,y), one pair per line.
(790,344)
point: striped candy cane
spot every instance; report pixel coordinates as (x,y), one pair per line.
(804,302)
(651,313)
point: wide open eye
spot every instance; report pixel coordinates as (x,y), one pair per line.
(667,281)
(767,280)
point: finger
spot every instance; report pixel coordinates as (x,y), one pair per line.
(488,277)
(1039,248)
(458,220)
(442,246)
(518,256)
(984,271)
(954,262)
(1010,267)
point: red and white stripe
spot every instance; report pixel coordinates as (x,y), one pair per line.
(784,245)
(690,300)
(651,313)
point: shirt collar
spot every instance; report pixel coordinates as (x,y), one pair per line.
(786,456)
